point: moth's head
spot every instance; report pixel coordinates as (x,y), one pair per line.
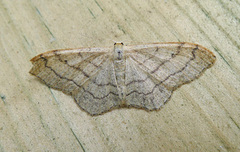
(118,51)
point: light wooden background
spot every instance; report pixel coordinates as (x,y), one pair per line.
(201,116)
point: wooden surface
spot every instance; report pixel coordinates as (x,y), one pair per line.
(201,116)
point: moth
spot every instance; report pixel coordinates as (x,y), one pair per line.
(105,78)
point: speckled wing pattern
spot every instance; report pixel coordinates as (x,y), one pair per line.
(150,74)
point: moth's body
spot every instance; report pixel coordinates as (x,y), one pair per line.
(119,68)
(140,76)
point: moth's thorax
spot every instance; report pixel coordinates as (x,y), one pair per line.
(120,66)
(118,52)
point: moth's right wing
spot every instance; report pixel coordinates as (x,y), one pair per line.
(154,71)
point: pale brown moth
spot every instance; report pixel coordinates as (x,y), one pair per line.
(140,76)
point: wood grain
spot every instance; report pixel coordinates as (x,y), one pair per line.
(202,116)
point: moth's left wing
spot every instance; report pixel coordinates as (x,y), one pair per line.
(67,70)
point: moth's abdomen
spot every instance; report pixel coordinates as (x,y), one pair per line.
(120,67)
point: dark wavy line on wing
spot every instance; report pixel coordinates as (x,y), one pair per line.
(77,68)
(191,59)
(62,77)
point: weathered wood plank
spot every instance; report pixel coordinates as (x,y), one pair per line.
(201,116)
